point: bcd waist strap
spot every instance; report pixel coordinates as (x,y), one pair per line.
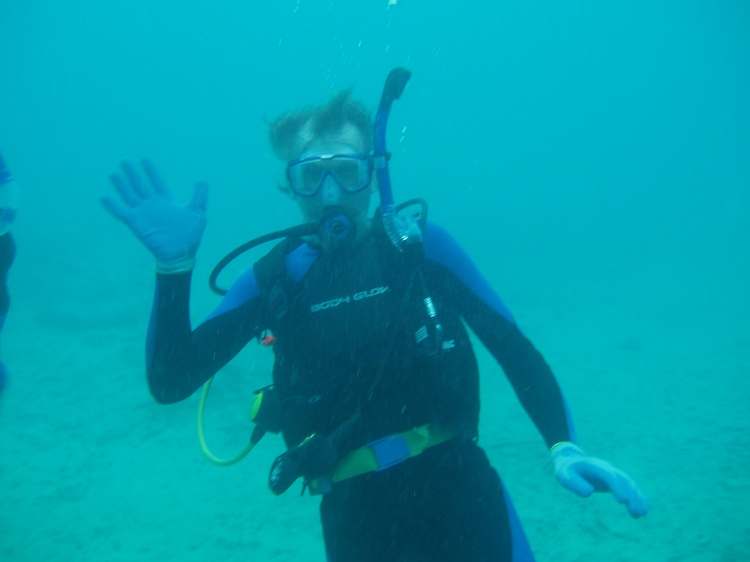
(382,454)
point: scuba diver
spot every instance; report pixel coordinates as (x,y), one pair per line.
(8,203)
(375,384)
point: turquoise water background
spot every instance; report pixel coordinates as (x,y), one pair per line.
(594,158)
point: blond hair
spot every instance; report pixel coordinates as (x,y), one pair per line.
(328,118)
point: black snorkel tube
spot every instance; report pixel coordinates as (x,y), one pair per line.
(307,229)
(399,231)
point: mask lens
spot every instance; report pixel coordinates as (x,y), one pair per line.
(312,175)
(351,172)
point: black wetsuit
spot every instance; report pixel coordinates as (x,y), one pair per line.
(7,253)
(348,327)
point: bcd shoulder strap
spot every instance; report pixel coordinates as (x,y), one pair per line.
(273,278)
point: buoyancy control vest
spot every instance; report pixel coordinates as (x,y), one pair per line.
(366,334)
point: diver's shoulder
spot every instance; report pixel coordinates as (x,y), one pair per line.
(437,238)
(299,255)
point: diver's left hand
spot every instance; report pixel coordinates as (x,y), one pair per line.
(585,475)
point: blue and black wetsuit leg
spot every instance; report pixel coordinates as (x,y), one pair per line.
(447,504)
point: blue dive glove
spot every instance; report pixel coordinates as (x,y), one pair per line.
(585,475)
(171,231)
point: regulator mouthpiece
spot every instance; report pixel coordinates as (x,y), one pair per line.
(336,228)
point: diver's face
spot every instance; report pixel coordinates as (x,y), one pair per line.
(347,141)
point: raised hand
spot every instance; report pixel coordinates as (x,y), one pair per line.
(170,230)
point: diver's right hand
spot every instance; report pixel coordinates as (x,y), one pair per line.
(171,231)
(311,459)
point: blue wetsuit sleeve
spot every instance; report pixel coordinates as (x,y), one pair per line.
(180,359)
(478,304)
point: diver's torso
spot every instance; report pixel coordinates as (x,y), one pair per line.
(348,343)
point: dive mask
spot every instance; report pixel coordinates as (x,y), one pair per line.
(352,172)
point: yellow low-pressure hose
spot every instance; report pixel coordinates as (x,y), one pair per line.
(202,439)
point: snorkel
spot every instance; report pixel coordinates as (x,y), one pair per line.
(400,231)
(336,228)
